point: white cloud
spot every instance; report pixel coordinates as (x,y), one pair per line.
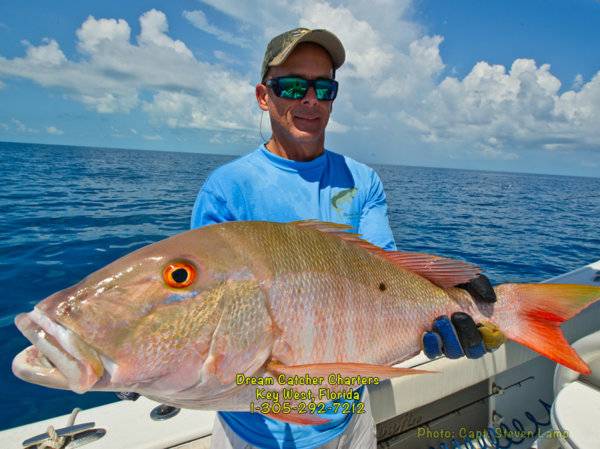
(46,55)
(491,148)
(94,34)
(260,14)
(112,74)
(225,58)
(182,110)
(577,82)
(54,130)
(368,54)
(198,19)
(579,112)
(21,127)
(336,127)
(392,88)
(519,108)
(558,146)
(152,137)
(154,33)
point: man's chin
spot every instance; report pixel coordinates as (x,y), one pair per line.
(307,135)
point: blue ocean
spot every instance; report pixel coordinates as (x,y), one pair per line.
(67,211)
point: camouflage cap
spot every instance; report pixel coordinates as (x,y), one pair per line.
(281,46)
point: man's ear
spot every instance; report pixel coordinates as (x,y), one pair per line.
(262,96)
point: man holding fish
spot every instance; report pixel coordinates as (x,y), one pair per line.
(293,177)
(276,291)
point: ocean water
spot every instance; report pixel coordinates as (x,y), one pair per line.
(67,211)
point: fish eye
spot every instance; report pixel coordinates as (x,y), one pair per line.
(179,274)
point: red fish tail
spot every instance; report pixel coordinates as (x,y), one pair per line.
(541,309)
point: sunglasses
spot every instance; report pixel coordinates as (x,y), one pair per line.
(295,87)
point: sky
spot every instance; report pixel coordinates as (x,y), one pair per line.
(496,85)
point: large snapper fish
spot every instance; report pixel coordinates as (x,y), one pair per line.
(180,320)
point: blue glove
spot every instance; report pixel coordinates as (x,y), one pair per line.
(454,337)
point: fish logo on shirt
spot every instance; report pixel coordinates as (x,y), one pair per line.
(343,197)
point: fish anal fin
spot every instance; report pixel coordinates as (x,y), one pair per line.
(344,369)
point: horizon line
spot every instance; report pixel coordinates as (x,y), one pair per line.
(238,155)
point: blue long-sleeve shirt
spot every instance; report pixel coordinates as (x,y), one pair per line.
(264,186)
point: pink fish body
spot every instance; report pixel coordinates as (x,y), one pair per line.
(181,319)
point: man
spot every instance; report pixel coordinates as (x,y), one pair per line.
(292,177)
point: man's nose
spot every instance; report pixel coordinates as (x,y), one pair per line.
(311,97)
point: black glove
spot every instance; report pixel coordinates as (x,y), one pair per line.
(480,289)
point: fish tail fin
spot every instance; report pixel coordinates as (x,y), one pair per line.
(541,310)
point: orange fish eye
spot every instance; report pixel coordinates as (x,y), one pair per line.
(179,274)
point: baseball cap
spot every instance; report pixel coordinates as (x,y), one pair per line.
(282,45)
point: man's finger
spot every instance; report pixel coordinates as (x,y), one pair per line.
(468,335)
(450,341)
(492,336)
(480,288)
(432,344)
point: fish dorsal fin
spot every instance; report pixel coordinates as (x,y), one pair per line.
(441,271)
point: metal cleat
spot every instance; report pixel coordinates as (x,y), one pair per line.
(163,411)
(70,437)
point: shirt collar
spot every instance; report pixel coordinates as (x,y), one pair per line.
(291,165)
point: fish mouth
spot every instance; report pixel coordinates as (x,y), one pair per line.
(58,357)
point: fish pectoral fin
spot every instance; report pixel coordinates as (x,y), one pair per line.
(239,345)
(297,418)
(344,369)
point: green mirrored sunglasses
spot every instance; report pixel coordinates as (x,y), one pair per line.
(295,87)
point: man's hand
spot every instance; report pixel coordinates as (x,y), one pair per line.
(459,336)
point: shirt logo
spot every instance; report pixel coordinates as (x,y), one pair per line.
(342,198)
